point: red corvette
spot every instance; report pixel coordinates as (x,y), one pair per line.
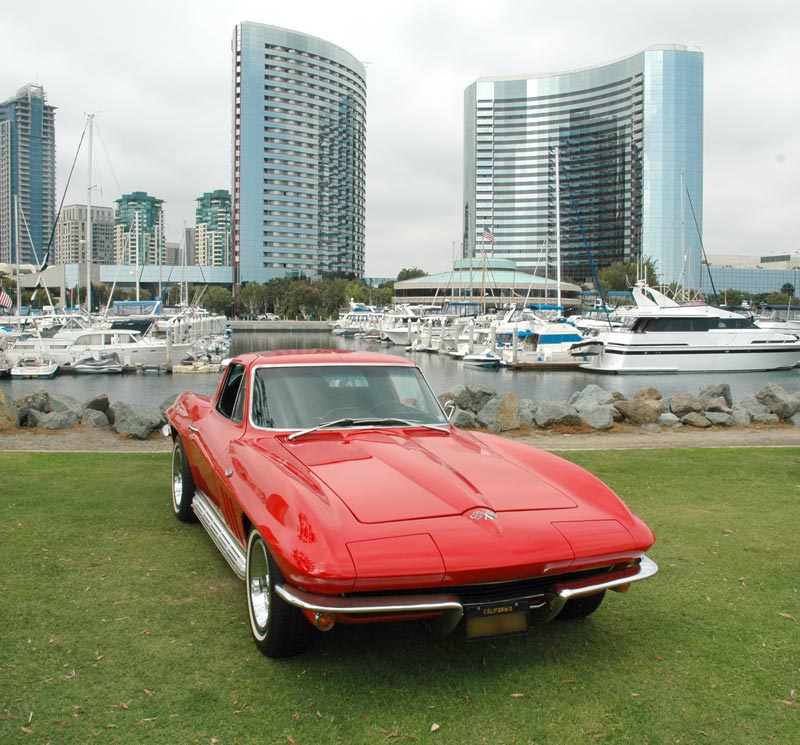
(334,485)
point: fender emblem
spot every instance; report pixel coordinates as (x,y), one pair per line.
(483,514)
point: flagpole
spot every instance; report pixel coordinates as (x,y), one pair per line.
(89,225)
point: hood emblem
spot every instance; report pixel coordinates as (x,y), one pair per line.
(483,514)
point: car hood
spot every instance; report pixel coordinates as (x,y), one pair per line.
(387,476)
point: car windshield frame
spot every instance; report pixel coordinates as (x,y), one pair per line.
(350,395)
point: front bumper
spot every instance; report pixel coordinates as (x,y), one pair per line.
(553,596)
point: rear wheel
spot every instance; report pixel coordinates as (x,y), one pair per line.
(182,484)
(279,629)
(581,607)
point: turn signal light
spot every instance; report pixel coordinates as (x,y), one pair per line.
(324,621)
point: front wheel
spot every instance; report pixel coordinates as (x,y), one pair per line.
(581,607)
(279,629)
(182,484)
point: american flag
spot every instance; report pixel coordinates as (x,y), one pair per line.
(5,299)
(488,235)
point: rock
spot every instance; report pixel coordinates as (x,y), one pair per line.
(741,417)
(754,407)
(683,404)
(52,419)
(600,417)
(527,410)
(641,410)
(778,400)
(795,419)
(768,418)
(9,414)
(98,403)
(652,394)
(63,402)
(463,419)
(694,419)
(719,418)
(718,404)
(715,391)
(590,398)
(555,412)
(501,413)
(36,401)
(94,418)
(137,421)
(668,419)
(474,398)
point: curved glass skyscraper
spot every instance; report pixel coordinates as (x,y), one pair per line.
(299,112)
(628,137)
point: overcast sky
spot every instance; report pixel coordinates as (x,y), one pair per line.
(157,75)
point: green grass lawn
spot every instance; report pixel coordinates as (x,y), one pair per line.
(119,624)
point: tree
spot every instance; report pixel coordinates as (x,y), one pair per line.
(253,298)
(788,289)
(303,299)
(619,277)
(218,299)
(410,274)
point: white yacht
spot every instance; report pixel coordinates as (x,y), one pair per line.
(662,335)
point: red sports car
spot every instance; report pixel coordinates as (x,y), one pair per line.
(335,486)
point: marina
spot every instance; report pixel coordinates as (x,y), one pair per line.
(153,387)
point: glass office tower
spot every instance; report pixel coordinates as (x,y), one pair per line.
(299,110)
(27,175)
(628,140)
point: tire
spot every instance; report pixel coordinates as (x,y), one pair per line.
(581,607)
(279,629)
(182,484)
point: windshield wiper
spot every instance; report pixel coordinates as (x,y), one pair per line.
(366,421)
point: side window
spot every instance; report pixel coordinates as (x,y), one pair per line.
(231,397)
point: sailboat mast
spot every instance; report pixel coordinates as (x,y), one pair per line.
(16,251)
(89,224)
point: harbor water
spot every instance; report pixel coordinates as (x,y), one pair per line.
(443,373)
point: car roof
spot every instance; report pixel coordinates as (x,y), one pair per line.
(320,357)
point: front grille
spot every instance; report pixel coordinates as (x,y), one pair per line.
(497,592)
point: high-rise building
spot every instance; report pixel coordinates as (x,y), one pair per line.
(299,109)
(213,229)
(70,243)
(139,230)
(27,175)
(628,138)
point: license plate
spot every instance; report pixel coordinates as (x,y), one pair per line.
(496,620)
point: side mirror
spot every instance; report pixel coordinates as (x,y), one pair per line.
(449,408)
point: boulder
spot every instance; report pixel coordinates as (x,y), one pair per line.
(94,418)
(555,412)
(741,417)
(9,414)
(527,410)
(98,403)
(36,401)
(753,407)
(717,404)
(683,404)
(463,419)
(590,398)
(137,421)
(652,394)
(694,419)
(600,417)
(63,402)
(641,410)
(768,418)
(168,401)
(715,391)
(668,419)
(473,398)
(501,413)
(52,419)
(719,418)
(778,400)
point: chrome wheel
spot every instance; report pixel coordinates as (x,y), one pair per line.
(182,484)
(258,586)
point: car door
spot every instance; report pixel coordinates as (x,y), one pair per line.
(213,435)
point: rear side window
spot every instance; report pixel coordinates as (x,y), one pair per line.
(231,397)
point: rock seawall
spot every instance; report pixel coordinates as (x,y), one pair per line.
(591,408)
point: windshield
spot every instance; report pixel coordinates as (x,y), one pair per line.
(302,397)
